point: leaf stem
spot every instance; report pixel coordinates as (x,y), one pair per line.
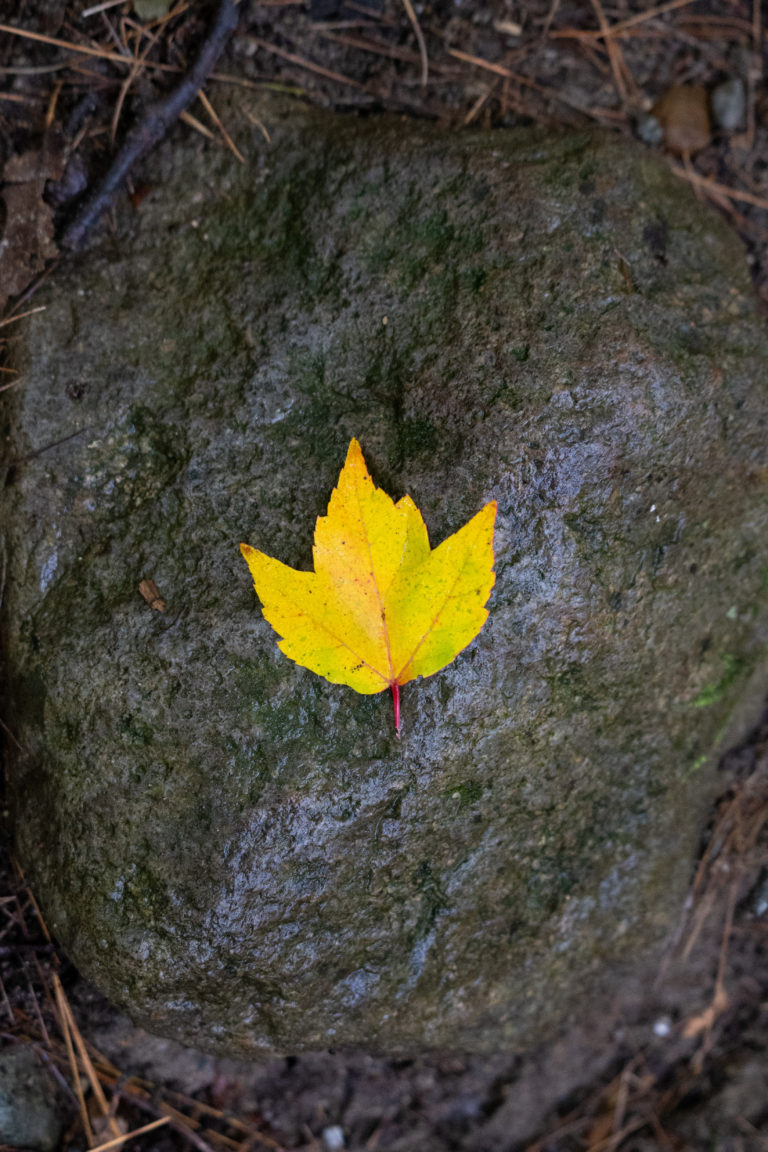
(396,702)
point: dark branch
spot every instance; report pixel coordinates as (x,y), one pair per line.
(145,135)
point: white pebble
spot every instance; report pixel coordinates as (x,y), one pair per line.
(662,1027)
(729,105)
(333,1138)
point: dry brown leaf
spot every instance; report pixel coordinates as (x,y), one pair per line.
(683,114)
(151,594)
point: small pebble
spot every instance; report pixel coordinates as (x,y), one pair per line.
(333,1138)
(760,899)
(649,130)
(662,1027)
(682,113)
(508,27)
(729,103)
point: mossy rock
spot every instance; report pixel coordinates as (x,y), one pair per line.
(242,854)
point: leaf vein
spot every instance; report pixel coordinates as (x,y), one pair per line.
(450,595)
(382,610)
(323,627)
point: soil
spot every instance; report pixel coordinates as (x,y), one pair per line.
(686,1067)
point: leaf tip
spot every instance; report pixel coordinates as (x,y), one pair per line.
(488,516)
(355,461)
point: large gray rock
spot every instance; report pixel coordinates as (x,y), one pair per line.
(242,854)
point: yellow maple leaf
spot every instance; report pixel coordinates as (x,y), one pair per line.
(381,606)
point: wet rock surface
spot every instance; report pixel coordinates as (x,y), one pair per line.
(243,855)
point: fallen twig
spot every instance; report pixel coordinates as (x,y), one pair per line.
(302,62)
(718,189)
(118,1141)
(419,40)
(615,57)
(622,26)
(526,81)
(153,127)
(21,315)
(75,1071)
(218,122)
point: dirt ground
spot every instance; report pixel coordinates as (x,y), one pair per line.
(688,1069)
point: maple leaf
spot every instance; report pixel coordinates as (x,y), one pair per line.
(381,606)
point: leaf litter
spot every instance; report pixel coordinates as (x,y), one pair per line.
(547,63)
